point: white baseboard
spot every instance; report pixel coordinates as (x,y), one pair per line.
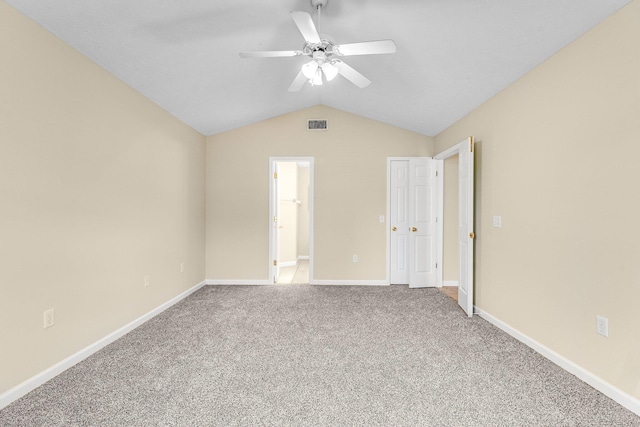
(287,263)
(32,383)
(292,263)
(450,283)
(351,282)
(623,398)
(235,282)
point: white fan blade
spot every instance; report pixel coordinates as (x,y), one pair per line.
(352,75)
(298,82)
(365,48)
(270,54)
(305,25)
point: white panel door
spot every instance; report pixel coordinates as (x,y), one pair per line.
(399,221)
(422,222)
(465,226)
(275,224)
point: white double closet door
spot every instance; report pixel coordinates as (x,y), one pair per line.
(412,221)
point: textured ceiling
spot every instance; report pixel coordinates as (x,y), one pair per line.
(452,55)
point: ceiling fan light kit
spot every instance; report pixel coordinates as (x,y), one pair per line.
(324,64)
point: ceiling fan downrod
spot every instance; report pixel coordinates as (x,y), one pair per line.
(319,4)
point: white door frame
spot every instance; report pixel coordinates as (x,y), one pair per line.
(466,145)
(272,209)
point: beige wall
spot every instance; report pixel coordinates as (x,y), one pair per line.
(98,187)
(557,157)
(350,192)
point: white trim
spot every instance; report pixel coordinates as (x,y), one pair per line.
(440,224)
(210,282)
(623,398)
(37,380)
(294,262)
(449,283)
(452,151)
(350,282)
(287,263)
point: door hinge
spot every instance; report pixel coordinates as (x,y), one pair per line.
(275,262)
(471,144)
(275,219)
(436,265)
(275,175)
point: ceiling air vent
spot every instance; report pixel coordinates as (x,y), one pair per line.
(316,124)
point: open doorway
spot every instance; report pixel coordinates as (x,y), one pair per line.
(465,220)
(291,220)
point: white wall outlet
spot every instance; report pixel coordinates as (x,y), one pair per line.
(147,282)
(355,258)
(497,221)
(382,219)
(49,318)
(602,326)
(182,267)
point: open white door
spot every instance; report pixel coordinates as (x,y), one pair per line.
(465,226)
(466,235)
(422,221)
(275,203)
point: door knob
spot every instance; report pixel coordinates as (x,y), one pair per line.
(414,229)
(394,228)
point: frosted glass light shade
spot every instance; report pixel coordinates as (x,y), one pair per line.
(309,69)
(330,71)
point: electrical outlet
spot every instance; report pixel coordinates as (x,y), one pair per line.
(382,218)
(497,221)
(49,318)
(182,267)
(147,282)
(602,326)
(355,258)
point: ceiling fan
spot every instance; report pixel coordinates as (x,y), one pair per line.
(325,55)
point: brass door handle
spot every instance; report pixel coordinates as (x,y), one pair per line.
(394,228)
(414,229)
(472,235)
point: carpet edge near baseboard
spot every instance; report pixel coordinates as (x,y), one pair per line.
(37,380)
(606,388)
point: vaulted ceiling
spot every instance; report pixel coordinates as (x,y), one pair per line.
(452,55)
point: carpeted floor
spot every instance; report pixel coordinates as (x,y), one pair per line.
(316,355)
